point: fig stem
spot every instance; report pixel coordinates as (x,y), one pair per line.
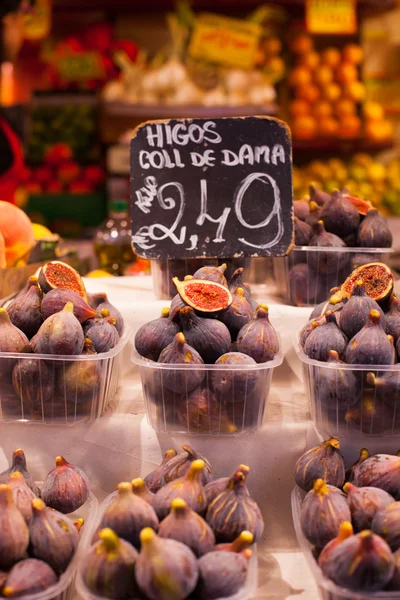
(147,536)
(124,488)
(105,312)
(196,468)
(61,462)
(6,495)
(178,506)
(165,313)
(333,442)
(38,505)
(345,530)
(320,487)
(69,307)
(110,540)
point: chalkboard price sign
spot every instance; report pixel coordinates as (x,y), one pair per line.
(212,188)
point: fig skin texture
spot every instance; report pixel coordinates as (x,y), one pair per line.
(345,531)
(381,471)
(108,567)
(325,338)
(30,576)
(55,300)
(222,574)
(14,537)
(203,413)
(215,274)
(139,488)
(392,318)
(386,523)
(302,233)
(66,488)
(186,526)
(216,487)
(236,385)
(60,334)
(301,209)
(355,313)
(165,569)
(154,480)
(153,337)
(314,214)
(209,337)
(104,335)
(180,464)
(236,281)
(309,327)
(114,313)
(371,345)
(179,352)
(374,232)
(327,262)
(322,462)
(56,274)
(387,386)
(351,473)
(25,311)
(336,388)
(19,464)
(22,495)
(34,382)
(364,503)
(258,338)
(323,510)
(318,195)
(363,562)
(339,215)
(238,314)
(323,307)
(12,339)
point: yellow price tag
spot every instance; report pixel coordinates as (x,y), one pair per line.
(81,66)
(37,22)
(225,41)
(331,16)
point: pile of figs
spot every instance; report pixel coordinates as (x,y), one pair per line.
(175,534)
(358,325)
(324,223)
(54,315)
(38,540)
(210,321)
(352,517)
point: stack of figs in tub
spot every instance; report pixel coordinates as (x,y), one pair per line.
(352,520)
(175,535)
(206,364)
(54,317)
(350,352)
(39,542)
(334,234)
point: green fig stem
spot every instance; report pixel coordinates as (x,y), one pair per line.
(138,485)
(242,542)
(110,540)
(4,316)
(320,487)
(38,505)
(243,469)
(17,475)
(364,454)
(237,480)
(124,488)
(79,523)
(313,206)
(240,292)
(196,469)
(165,313)
(61,462)
(367,538)
(332,442)
(147,538)
(179,507)
(105,312)
(180,339)
(345,530)
(169,455)
(6,495)
(348,487)
(374,316)
(69,307)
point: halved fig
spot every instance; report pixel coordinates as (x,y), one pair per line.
(56,274)
(376,277)
(363,206)
(202,295)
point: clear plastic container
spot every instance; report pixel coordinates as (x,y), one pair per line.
(245,593)
(327,589)
(242,410)
(65,587)
(305,277)
(60,391)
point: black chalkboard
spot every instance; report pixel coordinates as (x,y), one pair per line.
(212,188)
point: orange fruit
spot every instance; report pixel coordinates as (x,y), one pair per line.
(304,128)
(349,127)
(346,73)
(345,107)
(328,127)
(310,93)
(355,90)
(301,44)
(373,110)
(332,92)
(322,109)
(272,46)
(330,57)
(310,60)
(353,53)
(323,75)
(300,76)
(299,108)
(379,130)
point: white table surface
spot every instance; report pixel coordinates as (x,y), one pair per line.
(121,446)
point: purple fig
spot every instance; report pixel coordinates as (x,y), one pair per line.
(60,334)
(392,318)
(215,274)
(128,514)
(202,412)
(352,472)
(303,285)
(25,313)
(176,304)
(103,334)
(66,488)
(371,345)
(302,232)
(328,261)
(27,577)
(12,339)
(345,531)
(318,195)
(387,386)
(368,416)
(114,313)
(79,381)
(155,479)
(165,569)
(355,313)
(394,583)
(180,464)
(54,302)
(53,536)
(94,300)
(324,338)
(374,231)
(139,488)
(301,209)
(22,495)
(258,338)
(309,327)
(236,384)
(336,388)
(179,352)
(19,464)
(236,281)
(364,504)
(339,215)
(211,585)
(322,462)
(108,569)
(323,307)
(32,282)
(241,543)
(314,214)
(381,471)
(33,381)
(386,523)
(362,562)
(189,488)
(323,510)
(154,336)
(238,314)
(218,486)
(209,337)
(186,526)
(234,511)
(14,537)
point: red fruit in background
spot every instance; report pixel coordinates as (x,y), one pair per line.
(58,154)
(33,187)
(98,37)
(126,46)
(43,175)
(25,175)
(80,187)
(73,44)
(93,175)
(110,70)
(69,171)
(54,187)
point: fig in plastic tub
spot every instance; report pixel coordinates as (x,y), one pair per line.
(309,327)
(108,569)
(236,281)
(34,382)
(302,232)
(178,352)
(377,278)
(392,318)
(364,503)
(238,314)
(60,334)
(345,531)
(12,339)
(387,386)
(234,511)
(323,510)
(153,337)
(235,385)
(218,486)
(56,274)
(177,466)
(314,214)
(53,536)
(368,416)
(202,412)
(189,488)
(114,313)
(386,523)
(66,488)
(209,337)
(104,335)
(322,462)
(239,545)
(19,464)
(139,488)
(29,576)
(363,562)
(355,313)
(381,471)
(128,514)
(318,195)
(215,274)
(326,262)
(371,345)
(14,537)
(301,209)
(374,231)
(186,526)
(79,381)
(206,297)
(336,388)
(54,302)
(258,338)
(155,479)
(351,473)
(25,312)
(222,574)
(324,338)
(22,495)
(340,216)
(303,285)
